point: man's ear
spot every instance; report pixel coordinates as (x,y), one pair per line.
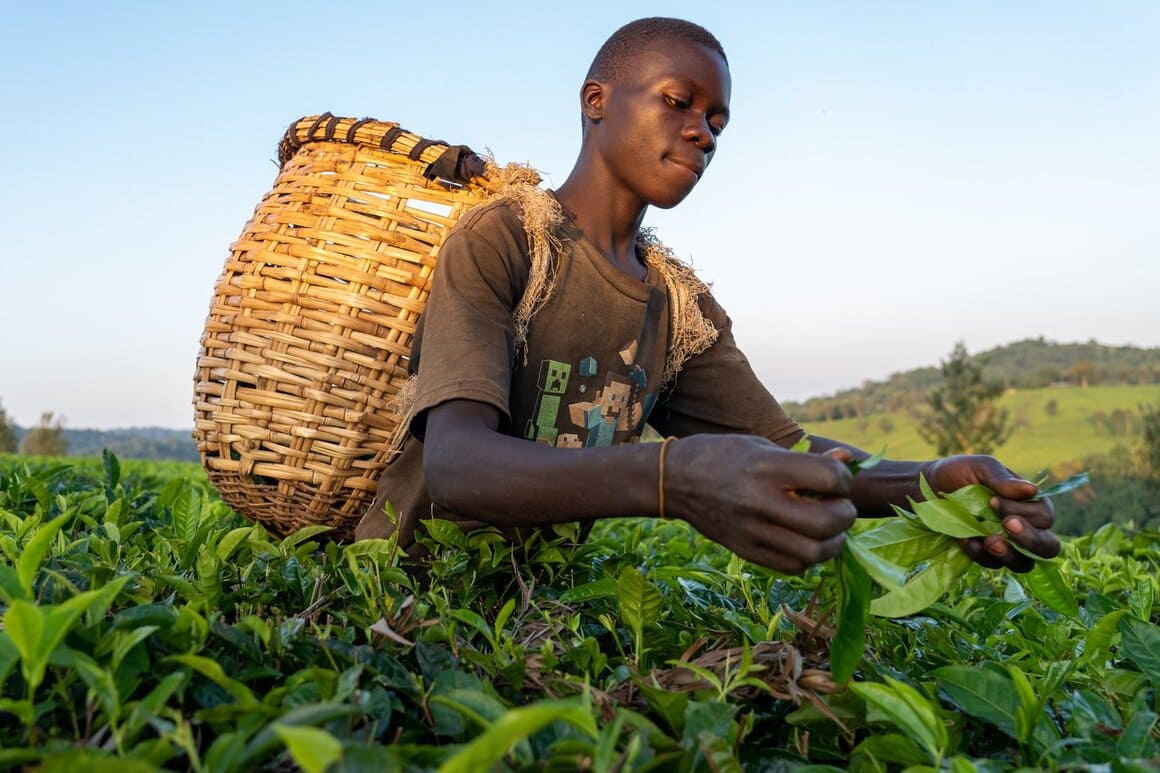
(592,96)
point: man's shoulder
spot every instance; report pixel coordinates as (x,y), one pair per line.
(496,221)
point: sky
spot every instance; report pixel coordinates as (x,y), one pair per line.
(895,177)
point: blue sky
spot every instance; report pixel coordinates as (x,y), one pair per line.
(896,176)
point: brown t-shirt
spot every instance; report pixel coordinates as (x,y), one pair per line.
(590,374)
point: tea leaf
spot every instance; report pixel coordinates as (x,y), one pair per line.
(1047,585)
(1141,644)
(1072,483)
(908,710)
(902,542)
(926,587)
(34,552)
(313,749)
(886,573)
(849,642)
(598,589)
(639,602)
(983,693)
(516,725)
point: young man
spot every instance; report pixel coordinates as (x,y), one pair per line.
(536,375)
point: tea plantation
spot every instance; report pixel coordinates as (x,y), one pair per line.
(147,627)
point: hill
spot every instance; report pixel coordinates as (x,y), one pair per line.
(1052,426)
(1028,364)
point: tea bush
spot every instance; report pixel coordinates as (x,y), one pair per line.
(145,626)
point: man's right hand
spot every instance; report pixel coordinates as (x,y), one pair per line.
(778,508)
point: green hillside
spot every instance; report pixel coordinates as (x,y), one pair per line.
(1039,441)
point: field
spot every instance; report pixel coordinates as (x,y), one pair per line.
(1040,440)
(147,627)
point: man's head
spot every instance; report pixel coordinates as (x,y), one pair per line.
(655,99)
(614,58)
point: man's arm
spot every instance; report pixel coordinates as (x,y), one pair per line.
(1027,523)
(777,508)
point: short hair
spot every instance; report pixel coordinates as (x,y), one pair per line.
(614,57)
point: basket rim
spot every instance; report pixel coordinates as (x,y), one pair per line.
(456,163)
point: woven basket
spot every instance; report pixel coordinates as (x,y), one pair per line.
(310,327)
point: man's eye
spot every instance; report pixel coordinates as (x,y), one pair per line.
(677,102)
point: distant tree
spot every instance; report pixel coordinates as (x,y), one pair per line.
(1150,419)
(8,441)
(45,439)
(960,415)
(1084,373)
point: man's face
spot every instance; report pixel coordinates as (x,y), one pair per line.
(659,124)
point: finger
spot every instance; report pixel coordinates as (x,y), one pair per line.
(1041,542)
(843,455)
(977,552)
(817,519)
(1040,514)
(798,548)
(820,474)
(1011,486)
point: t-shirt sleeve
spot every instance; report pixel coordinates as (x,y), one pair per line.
(718,392)
(465,346)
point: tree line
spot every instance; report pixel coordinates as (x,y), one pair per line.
(50,437)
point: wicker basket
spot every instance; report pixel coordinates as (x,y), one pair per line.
(310,327)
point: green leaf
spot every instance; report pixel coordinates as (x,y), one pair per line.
(976,500)
(313,749)
(1136,741)
(1027,714)
(478,706)
(639,601)
(1099,640)
(212,670)
(34,551)
(1046,584)
(11,586)
(229,543)
(24,624)
(1141,599)
(902,542)
(926,587)
(890,747)
(9,656)
(186,513)
(857,465)
(302,535)
(907,710)
(112,468)
(1140,643)
(474,620)
(1072,483)
(945,516)
(445,532)
(100,682)
(514,726)
(708,719)
(885,572)
(598,589)
(849,643)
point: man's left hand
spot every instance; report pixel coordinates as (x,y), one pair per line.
(1025,522)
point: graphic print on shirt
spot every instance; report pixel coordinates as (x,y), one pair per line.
(552,385)
(616,403)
